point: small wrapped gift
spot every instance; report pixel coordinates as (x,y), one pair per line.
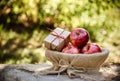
(57,39)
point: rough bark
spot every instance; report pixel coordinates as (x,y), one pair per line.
(18,73)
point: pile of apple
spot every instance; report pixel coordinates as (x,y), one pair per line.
(79,43)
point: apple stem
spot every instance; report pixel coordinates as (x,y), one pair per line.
(77,33)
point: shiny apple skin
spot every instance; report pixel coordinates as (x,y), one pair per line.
(79,37)
(70,49)
(91,48)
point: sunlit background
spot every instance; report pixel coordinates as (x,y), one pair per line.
(24,23)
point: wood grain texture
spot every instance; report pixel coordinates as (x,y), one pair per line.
(18,73)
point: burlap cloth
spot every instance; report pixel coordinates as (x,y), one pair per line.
(74,65)
(84,66)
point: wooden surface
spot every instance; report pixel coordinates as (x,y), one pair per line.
(17,73)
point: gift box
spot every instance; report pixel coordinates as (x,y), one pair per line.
(57,39)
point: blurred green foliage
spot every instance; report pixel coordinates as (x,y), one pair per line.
(25,23)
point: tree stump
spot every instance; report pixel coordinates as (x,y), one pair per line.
(18,73)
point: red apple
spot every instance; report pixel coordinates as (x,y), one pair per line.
(71,49)
(79,37)
(91,48)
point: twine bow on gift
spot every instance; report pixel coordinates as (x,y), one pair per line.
(56,34)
